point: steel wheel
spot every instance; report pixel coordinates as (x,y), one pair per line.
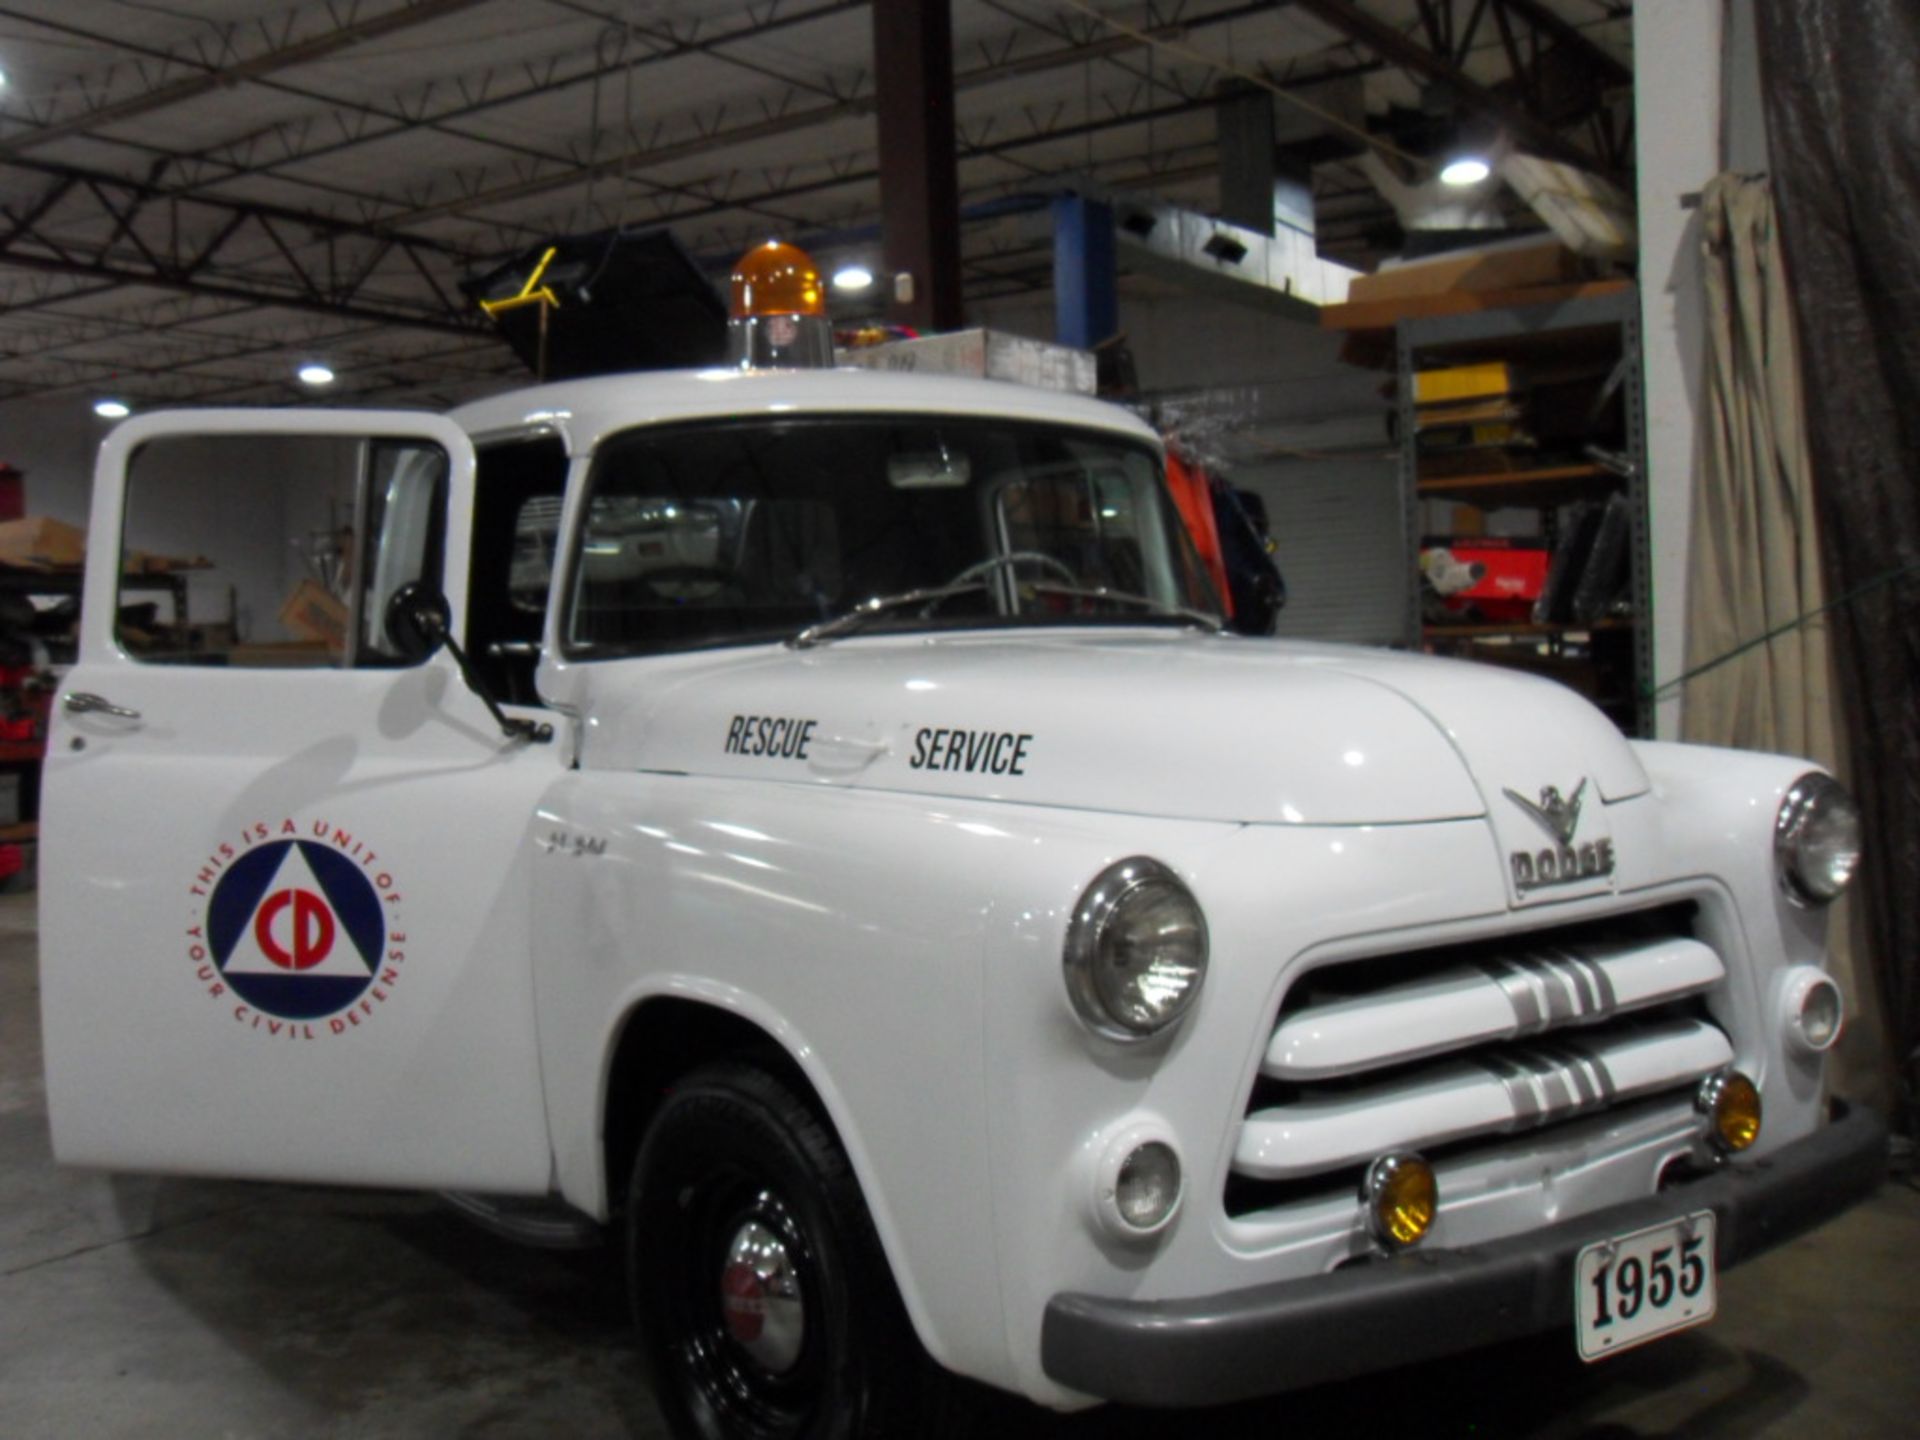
(737,1329)
(765,1306)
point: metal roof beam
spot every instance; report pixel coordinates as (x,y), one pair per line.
(66,177)
(779,125)
(473,97)
(1573,39)
(1041,132)
(397,120)
(251,294)
(1402,50)
(183,262)
(211,77)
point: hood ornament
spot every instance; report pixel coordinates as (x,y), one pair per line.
(1557,816)
(1563,863)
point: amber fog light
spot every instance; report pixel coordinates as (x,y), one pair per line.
(1731,1104)
(1812,1010)
(1400,1199)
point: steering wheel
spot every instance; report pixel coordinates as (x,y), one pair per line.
(983,568)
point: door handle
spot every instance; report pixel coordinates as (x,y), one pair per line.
(844,754)
(80,702)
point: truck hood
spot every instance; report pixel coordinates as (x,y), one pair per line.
(1146,722)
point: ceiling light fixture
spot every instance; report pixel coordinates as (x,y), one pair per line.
(314,373)
(112,409)
(1467,170)
(852,277)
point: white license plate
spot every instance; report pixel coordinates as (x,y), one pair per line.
(1636,1287)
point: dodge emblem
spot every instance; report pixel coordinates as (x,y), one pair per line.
(1563,862)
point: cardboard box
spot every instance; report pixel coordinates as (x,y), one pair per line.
(40,543)
(314,613)
(283,655)
(1506,265)
(139,562)
(984,354)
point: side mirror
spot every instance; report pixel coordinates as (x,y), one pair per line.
(418,621)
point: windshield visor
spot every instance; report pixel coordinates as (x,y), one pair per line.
(747,531)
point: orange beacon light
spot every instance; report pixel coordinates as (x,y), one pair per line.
(778,310)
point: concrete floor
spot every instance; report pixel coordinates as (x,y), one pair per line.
(131,1306)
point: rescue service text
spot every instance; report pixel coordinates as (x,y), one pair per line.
(779,737)
(977,752)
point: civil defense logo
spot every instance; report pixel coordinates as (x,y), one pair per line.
(299,931)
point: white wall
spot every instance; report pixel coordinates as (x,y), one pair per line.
(1679,93)
(54,441)
(249,504)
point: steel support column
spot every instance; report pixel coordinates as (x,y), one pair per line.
(1086,305)
(919,180)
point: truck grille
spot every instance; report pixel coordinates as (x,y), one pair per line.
(1445,1049)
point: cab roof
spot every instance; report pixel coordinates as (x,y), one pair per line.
(583,412)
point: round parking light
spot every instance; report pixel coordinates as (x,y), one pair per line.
(1812,1009)
(1138,1181)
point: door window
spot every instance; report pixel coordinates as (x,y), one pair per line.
(276,551)
(517,495)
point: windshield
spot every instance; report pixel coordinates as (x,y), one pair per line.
(752,530)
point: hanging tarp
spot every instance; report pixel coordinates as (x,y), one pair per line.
(1755,566)
(1840,78)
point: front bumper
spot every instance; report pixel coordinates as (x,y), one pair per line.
(1268,1338)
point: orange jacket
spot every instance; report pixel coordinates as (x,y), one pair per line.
(1193,495)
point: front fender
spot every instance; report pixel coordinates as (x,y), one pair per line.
(846,927)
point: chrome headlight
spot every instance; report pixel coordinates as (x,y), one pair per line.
(1136,950)
(1816,839)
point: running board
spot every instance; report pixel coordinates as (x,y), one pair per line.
(542,1222)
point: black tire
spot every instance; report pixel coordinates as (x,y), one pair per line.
(733,1146)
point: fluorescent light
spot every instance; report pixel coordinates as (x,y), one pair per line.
(1467,170)
(852,277)
(314,373)
(112,409)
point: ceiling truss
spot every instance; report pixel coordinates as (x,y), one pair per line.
(198,200)
(140,235)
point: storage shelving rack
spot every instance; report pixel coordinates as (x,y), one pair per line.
(1591,330)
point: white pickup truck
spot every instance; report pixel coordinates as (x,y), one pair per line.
(811,829)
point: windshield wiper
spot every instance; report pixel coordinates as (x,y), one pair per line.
(1198,619)
(866,610)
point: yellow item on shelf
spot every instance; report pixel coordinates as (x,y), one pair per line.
(1463,382)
